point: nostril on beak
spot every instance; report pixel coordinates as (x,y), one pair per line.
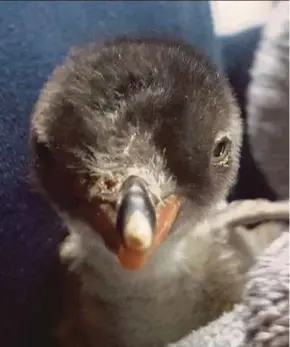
(136,217)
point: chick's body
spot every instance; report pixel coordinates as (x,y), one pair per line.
(160,111)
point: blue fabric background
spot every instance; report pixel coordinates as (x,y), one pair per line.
(34,37)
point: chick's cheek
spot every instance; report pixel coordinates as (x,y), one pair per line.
(101,218)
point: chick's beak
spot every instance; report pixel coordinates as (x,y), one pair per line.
(142,224)
(136,215)
(138,225)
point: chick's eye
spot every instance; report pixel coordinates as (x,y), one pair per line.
(221,149)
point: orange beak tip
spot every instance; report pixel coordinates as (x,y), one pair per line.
(130,259)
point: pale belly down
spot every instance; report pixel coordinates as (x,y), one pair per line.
(146,322)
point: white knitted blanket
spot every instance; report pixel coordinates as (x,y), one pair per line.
(262,319)
(268,102)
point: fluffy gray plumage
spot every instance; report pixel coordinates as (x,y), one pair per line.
(161,111)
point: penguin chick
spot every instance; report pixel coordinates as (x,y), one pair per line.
(134,142)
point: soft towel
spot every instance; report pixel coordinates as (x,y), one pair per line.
(262,319)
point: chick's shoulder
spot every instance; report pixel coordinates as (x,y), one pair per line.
(118,130)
